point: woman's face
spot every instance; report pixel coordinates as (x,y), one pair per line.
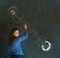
(16,33)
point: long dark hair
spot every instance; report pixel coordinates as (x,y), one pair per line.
(11,37)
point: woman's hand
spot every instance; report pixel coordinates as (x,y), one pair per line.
(25,26)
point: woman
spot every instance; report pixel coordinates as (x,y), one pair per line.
(14,42)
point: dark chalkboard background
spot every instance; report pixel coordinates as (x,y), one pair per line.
(44,16)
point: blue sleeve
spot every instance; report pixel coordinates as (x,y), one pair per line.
(24,37)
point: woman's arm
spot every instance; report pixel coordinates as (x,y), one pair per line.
(25,36)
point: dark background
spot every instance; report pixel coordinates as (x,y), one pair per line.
(44,16)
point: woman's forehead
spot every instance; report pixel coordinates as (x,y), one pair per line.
(16,30)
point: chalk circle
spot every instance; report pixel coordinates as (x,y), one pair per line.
(12,10)
(46,46)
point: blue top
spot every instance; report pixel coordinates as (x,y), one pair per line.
(15,47)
